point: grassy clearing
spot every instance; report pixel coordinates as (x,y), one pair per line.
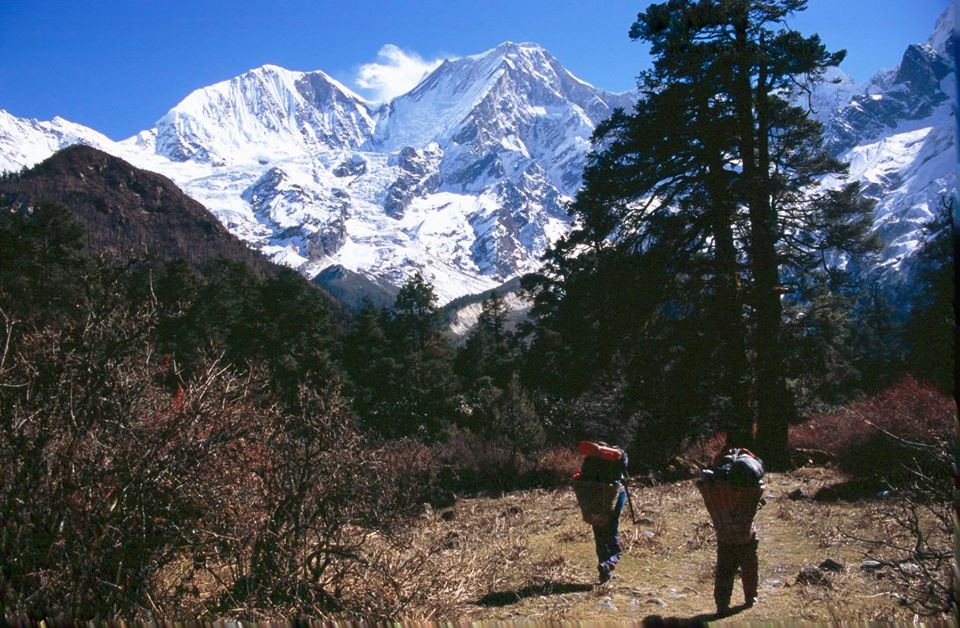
(528,556)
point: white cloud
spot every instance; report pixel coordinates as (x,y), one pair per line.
(394,72)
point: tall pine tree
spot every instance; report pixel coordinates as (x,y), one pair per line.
(711,187)
(487,355)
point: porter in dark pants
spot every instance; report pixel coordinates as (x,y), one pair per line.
(730,558)
(732,509)
(607,536)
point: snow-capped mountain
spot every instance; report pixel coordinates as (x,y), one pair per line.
(266,114)
(509,129)
(464,177)
(898,133)
(26,142)
(512,113)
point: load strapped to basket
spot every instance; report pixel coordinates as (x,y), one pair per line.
(597,485)
(732,492)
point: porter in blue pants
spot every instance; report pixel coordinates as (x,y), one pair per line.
(607,539)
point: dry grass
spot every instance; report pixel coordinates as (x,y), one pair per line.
(528,556)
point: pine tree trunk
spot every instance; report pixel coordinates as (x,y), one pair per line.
(773,408)
(732,349)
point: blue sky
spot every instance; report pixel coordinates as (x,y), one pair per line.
(119,65)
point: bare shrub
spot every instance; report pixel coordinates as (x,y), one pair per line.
(101,487)
(914,535)
(313,496)
(873,435)
(903,437)
(412,468)
(704,451)
(469,462)
(129,492)
(557,466)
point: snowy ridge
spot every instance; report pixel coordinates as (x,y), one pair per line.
(464,178)
(827,99)
(899,137)
(25,142)
(266,114)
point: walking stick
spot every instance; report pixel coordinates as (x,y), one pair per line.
(633,513)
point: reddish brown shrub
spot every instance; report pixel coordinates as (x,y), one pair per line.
(413,469)
(702,453)
(122,498)
(870,435)
(558,464)
(469,462)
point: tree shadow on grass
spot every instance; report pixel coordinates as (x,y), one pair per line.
(505,598)
(657,621)
(852,490)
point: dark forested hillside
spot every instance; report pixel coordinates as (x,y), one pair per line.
(126,211)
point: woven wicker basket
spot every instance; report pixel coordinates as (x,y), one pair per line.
(732,509)
(597,500)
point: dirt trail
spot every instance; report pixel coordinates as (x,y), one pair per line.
(667,570)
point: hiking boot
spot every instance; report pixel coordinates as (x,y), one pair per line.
(723,609)
(750,601)
(604,573)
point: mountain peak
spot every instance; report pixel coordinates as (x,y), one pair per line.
(945,30)
(270,68)
(513,56)
(512,80)
(510,47)
(270,112)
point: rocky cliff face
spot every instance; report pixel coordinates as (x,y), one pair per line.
(898,133)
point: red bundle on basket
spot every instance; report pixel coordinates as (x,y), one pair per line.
(732,508)
(597,450)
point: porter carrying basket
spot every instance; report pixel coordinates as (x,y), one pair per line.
(597,500)
(732,508)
